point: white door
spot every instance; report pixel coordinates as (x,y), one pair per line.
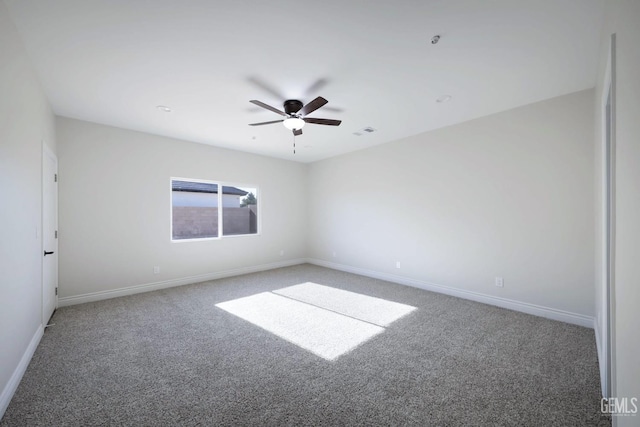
(49,233)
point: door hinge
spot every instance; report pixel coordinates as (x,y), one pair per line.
(56,234)
(56,291)
(55,177)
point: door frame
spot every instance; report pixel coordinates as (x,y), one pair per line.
(47,152)
(607,326)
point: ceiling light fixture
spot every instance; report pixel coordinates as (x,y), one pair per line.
(293,123)
(443,99)
(163,108)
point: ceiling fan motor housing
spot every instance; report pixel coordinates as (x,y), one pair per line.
(292,106)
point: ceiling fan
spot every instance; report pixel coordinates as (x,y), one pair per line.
(296,113)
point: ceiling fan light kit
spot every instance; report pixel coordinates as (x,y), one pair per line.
(293,123)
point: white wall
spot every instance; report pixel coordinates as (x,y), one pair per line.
(623,18)
(507,195)
(115,201)
(25,120)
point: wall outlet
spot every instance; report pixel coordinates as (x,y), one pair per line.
(281,252)
(397,264)
(156,270)
(499,282)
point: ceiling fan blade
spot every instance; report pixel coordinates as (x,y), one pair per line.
(316,86)
(266,123)
(268,107)
(297,132)
(329,122)
(266,87)
(312,106)
(333,109)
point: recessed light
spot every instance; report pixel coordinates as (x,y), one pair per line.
(163,108)
(443,99)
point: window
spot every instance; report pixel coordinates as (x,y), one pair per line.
(239,211)
(200,211)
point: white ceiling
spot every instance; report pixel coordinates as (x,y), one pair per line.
(114,61)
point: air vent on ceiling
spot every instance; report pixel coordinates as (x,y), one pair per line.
(362,131)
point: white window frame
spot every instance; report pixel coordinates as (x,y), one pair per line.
(220,185)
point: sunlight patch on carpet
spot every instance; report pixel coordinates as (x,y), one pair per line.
(370,309)
(326,321)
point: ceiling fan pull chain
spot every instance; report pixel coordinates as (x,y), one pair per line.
(294,144)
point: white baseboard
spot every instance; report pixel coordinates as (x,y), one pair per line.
(12,385)
(147,287)
(536,310)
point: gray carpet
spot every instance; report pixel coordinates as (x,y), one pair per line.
(171,357)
